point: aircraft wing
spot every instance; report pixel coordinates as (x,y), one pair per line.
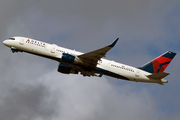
(90,59)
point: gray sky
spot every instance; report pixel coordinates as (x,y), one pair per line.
(32,89)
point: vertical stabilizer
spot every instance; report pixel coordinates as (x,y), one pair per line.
(159,64)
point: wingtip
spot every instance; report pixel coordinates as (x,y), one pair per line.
(114,43)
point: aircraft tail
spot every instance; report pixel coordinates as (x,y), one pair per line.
(159,64)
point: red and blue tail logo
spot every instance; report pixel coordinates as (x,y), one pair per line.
(160,63)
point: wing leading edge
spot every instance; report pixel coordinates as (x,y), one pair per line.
(90,59)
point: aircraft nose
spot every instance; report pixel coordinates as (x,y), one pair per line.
(5,42)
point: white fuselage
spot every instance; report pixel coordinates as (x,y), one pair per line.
(104,66)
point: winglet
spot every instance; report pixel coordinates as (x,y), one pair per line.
(113,44)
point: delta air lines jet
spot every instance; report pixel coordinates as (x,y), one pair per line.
(92,63)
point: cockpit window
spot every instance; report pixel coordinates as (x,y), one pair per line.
(12,38)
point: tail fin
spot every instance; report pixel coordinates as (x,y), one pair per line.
(159,64)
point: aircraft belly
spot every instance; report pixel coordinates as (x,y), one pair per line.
(110,73)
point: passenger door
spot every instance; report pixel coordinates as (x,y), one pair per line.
(21,42)
(53,49)
(137,73)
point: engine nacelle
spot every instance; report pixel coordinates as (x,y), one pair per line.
(66,69)
(70,58)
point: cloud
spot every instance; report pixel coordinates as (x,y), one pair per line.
(27,103)
(94,98)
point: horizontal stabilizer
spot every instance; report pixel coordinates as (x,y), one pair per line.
(158,75)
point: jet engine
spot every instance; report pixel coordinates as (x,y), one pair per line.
(66,69)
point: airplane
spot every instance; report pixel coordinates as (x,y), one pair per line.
(93,63)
